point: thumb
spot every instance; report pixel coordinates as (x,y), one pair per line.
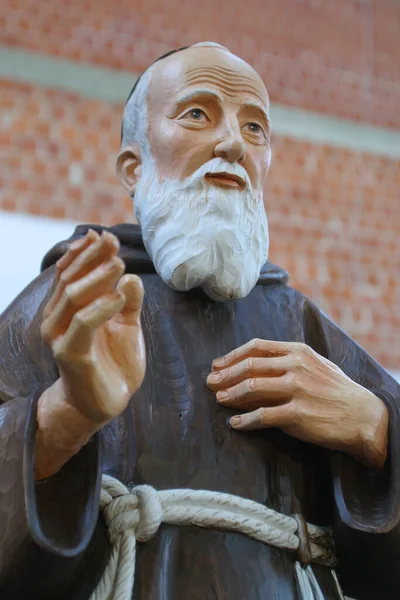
(131,287)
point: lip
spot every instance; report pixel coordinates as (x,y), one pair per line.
(226,180)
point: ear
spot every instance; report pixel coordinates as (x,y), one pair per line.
(129,167)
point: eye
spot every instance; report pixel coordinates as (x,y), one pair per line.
(255,128)
(196,114)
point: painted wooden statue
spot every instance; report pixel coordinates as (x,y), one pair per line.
(171,355)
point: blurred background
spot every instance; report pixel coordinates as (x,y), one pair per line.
(332,70)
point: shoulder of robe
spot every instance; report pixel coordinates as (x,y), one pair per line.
(26,363)
(129,235)
(30,302)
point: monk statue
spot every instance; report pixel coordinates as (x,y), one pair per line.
(177,423)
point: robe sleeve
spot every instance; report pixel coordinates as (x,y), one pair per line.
(367,502)
(45,527)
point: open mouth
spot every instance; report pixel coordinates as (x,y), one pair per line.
(226,180)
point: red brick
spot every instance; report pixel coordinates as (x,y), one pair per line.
(57,212)
(8,204)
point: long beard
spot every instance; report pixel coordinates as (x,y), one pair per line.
(199,235)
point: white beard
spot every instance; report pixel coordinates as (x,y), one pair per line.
(199,235)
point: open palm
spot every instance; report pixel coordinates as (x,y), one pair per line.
(92,324)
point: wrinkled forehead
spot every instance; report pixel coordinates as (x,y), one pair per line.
(202,67)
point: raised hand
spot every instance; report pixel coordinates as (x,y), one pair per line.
(92,325)
(289,386)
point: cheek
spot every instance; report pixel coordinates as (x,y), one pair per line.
(267,163)
(178,152)
(262,162)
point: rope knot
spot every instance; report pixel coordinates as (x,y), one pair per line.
(139,510)
(150,510)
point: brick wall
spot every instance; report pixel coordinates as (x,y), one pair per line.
(334,213)
(336,57)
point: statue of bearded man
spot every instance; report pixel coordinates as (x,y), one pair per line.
(171,355)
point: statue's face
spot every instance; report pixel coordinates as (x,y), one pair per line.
(205,103)
(198,183)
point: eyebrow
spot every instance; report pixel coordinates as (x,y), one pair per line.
(193,94)
(260,108)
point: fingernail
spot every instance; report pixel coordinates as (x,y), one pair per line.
(218,362)
(235,421)
(92,234)
(60,261)
(76,244)
(110,239)
(214,377)
(63,259)
(222,396)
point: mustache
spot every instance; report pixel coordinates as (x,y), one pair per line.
(215,165)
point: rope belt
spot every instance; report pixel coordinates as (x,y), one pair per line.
(136,515)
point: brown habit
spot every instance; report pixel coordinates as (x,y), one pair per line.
(53,544)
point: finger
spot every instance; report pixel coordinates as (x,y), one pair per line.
(79,335)
(95,283)
(254,348)
(248,368)
(257,391)
(131,287)
(74,251)
(104,248)
(80,293)
(75,248)
(274,416)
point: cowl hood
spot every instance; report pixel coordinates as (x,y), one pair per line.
(135,255)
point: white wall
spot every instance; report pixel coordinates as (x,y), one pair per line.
(24,240)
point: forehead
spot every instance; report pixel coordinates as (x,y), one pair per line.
(205,67)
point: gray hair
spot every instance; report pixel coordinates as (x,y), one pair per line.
(135,117)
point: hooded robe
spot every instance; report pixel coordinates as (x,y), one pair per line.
(173,434)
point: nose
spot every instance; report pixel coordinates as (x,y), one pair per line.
(231,147)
